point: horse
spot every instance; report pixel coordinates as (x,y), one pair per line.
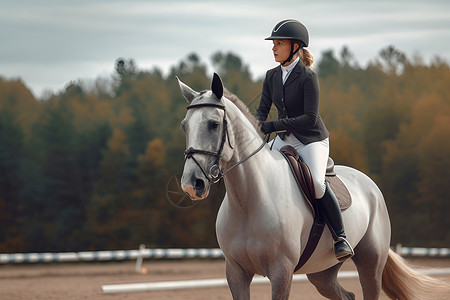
(263,222)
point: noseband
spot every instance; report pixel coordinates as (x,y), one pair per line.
(215,173)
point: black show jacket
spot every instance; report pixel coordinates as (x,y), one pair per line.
(297,102)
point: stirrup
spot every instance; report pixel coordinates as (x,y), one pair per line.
(347,253)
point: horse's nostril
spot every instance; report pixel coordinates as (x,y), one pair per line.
(199,185)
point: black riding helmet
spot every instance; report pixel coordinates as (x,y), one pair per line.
(290,30)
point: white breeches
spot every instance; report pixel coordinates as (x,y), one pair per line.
(315,155)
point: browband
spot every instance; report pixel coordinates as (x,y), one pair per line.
(216,105)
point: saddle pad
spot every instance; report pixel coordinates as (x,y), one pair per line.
(341,192)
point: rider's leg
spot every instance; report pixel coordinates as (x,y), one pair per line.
(315,155)
(329,206)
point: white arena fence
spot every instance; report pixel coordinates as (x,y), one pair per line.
(116,255)
(163,254)
(222,282)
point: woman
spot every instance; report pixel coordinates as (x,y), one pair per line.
(294,89)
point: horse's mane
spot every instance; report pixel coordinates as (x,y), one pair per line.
(244,109)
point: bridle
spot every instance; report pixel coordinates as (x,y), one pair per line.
(215,173)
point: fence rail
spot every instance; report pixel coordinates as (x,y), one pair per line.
(117,255)
(222,282)
(171,253)
(422,252)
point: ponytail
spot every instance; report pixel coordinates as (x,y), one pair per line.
(306,57)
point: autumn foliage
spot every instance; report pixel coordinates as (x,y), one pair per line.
(88,168)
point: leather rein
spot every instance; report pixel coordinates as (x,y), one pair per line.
(215,173)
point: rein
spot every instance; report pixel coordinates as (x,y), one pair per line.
(215,173)
(266,139)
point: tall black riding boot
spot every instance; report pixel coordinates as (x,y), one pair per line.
(330,207)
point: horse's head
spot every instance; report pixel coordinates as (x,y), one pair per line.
(205,126)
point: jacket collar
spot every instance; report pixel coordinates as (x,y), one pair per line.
(295,73)
(291,66)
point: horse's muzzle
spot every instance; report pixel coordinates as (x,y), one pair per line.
(196,188)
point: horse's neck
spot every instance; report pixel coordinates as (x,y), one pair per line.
(243,183)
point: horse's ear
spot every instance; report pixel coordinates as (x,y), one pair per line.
(187,92)
(217,86)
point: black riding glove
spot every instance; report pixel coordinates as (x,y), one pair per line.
(267,127)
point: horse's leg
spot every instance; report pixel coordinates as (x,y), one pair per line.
(238,282)
(327,285)
(370,258)
(280,281)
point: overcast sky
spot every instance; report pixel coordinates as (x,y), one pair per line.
(49,43)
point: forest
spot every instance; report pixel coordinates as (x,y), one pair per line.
(88,167)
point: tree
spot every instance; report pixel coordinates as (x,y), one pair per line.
(150,194)
(86,169)
(126,72)
(328,64)
(432,185)
(111,192)
(11,146)
(393,60)
(347,58)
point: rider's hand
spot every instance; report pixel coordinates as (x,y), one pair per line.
(267,127)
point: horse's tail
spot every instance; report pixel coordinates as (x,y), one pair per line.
(401,282)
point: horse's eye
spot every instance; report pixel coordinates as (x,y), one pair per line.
(213,125)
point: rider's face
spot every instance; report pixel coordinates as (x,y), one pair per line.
(281,50)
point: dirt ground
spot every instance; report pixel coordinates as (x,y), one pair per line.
(84,280)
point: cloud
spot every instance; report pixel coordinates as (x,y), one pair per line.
(78,39)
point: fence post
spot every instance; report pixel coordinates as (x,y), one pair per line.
(138,268)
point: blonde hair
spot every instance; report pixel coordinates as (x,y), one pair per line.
(306,57)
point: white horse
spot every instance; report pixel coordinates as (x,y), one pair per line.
(264,221)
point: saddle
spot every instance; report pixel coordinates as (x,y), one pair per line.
(304,180)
